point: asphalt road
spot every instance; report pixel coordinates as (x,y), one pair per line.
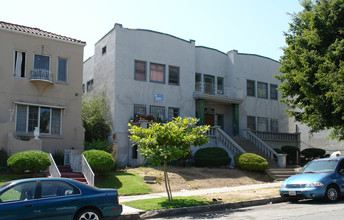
(305,210)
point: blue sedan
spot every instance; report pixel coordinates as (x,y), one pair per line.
(56,198)
(319,179)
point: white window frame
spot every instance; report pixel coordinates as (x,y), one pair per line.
(39,118)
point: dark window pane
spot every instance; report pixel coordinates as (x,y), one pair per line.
(140,70)
(62,70)
(44,120)
(251,89)
(173,77)
(33,118)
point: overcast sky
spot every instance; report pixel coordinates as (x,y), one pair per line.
(249,26)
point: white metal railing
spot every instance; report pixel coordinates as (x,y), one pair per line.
(212,89)
(277,136)
(87,171)
(228,142)
(41,74)
(53,170)
(266,149)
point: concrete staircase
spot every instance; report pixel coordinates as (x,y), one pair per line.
(281,174)
(274,171)
(249,147)
(67,172)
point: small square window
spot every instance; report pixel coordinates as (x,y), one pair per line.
(262,90)
(251,123)
(104,50)
(173,75)
(263,124)
(62,70)
(220,85)
(273,92)
(157,73)
(173,113)
(251,88)
(140,70)
(19,63)
(273,125)
(139,109)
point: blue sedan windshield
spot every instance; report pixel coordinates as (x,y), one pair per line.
(320,166)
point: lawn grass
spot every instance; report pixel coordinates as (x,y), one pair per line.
(163,203)
(125,183)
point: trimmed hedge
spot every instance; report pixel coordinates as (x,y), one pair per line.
(279,151)
(292,152)
(98,145)
(99,160)
(249,161)
(33,160)
(311,153)
(211,157)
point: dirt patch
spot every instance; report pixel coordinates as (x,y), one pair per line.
(190,178)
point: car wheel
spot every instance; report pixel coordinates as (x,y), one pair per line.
(332,193)
(88,214)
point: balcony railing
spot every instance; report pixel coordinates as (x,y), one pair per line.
(211,89)
(42,75)
(277,136)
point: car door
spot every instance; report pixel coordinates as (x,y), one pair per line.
(58,200)
(340,180)
(19,201)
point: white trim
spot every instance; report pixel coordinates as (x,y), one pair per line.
(40,105)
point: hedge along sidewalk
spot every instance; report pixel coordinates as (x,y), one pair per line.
(201,191)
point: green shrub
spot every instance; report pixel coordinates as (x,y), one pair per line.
(58,157)
(211,157)
(249,161)
(279,151)
(98,145)
(292,152)
(99,160)
(312,153)
(3,157)
(33,160)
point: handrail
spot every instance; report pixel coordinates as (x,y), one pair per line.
(87,171)
(228,142)
(53,170)
(266,149)
(277,136)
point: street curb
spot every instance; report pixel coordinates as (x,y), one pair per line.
(206,208)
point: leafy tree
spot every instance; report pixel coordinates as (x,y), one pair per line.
(95,118)
(313,66)
(162,143)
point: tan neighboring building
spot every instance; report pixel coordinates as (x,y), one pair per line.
(40,87)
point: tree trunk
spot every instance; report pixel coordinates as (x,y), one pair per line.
(167,182)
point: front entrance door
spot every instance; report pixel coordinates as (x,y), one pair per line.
(209,119)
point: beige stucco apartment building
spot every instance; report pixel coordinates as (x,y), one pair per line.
(40,86)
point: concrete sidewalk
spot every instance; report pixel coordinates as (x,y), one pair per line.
(131,213)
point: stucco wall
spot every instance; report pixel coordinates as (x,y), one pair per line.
(65,95)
